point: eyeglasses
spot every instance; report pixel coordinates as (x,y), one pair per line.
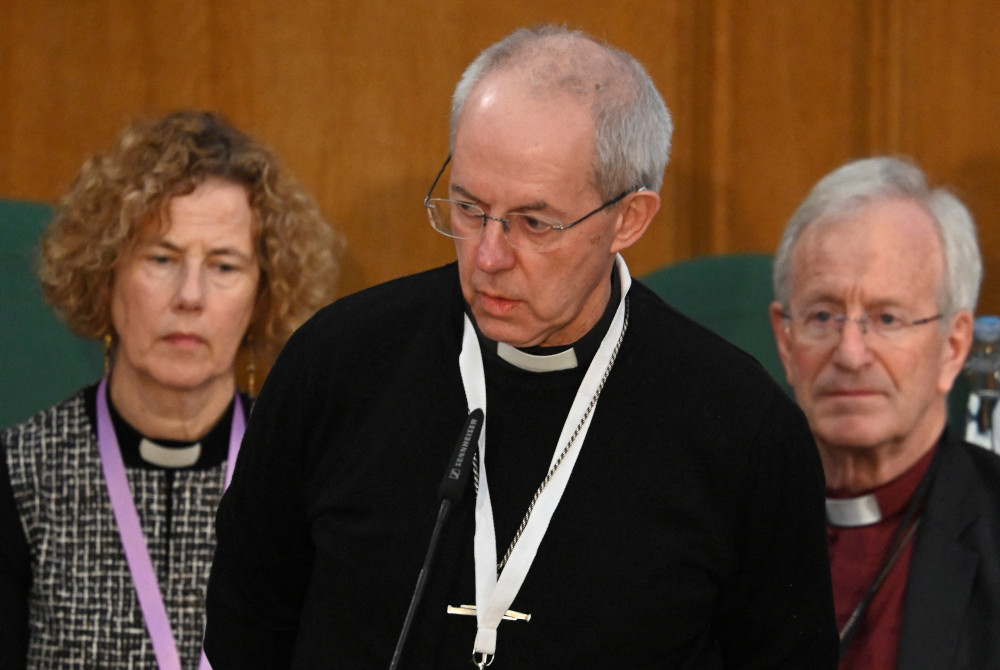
(824,325)
(525,231)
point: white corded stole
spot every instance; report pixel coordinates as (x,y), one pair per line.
(494,595)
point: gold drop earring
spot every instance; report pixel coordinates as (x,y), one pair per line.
(108,339)
(251,369)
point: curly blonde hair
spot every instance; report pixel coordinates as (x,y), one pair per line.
(117,194)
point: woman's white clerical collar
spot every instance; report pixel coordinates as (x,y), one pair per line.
(169,457)
(853,512)
(564,360)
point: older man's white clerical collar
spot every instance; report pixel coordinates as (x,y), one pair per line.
(884,502)
(853,512)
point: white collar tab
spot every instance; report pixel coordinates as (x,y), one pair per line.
(564,360)
(853,512)
(169,457)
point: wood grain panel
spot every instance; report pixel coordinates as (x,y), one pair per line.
(949,97)
(766,96)
(354,97)
(788,105)
(76,72)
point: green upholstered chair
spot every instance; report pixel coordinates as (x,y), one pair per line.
(41,361)
(729,295)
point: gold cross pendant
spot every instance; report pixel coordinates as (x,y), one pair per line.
(470,610)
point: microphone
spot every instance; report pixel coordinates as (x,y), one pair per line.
(456,477)
(452,488)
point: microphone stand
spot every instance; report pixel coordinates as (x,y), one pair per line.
(452,489)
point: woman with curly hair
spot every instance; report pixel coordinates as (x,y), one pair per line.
(184,247)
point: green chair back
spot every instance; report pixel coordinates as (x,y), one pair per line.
(41,361)
(729,295)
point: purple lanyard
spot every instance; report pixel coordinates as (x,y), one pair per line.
(147,587)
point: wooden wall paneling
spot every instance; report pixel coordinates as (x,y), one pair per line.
(354,98)
(678,73)
(766,98)
(949,97)
(333,88)
(789,113)
(405,63)
(711,156)
(663,37)
(9,51)
(379,104)
(79,71)
(879,100)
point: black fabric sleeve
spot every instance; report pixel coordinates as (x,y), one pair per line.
(15,577)
(779,612)
(262,562)
(270,517)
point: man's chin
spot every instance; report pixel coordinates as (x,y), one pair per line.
(850,432)
(502,330)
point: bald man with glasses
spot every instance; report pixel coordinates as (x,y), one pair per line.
(643,494)
(876,280)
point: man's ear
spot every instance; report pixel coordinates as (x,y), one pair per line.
(957,344)
(640,207)
(780,326)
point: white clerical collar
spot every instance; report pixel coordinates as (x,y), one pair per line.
(169,457)
(564,360)
(853,512)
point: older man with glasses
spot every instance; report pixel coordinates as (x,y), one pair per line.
(642,495)
(876,280)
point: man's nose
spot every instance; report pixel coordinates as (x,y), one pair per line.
(852,349)
(494,252)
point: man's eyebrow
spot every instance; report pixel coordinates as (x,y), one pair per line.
(823,296)
(829,298)
(460,190)
(530,207)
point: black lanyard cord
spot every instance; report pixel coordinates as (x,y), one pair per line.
(904,534)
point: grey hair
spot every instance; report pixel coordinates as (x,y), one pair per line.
(858,184)
(633,126)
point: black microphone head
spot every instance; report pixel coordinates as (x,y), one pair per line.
(456,476)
